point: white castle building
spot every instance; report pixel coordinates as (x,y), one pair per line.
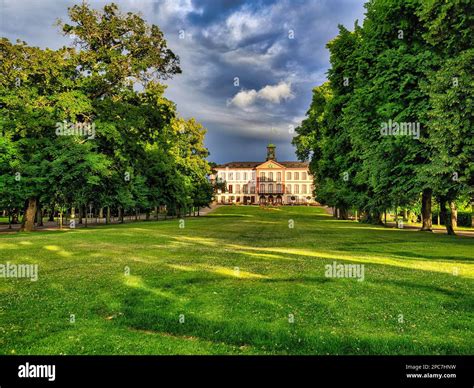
(268,182)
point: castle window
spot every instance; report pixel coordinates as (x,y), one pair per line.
(288,176)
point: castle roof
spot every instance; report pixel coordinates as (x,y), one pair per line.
(255,164)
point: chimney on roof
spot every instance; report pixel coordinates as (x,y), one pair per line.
(271,152)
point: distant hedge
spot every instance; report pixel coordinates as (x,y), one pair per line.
(464,218)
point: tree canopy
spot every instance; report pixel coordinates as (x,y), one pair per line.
(393,125)
(89,125)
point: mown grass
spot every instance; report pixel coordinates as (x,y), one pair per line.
(235,276)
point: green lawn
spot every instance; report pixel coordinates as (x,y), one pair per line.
(409,303)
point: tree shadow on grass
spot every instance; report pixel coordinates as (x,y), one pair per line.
(426,256)
(273,334)
(403,254)
(213,215)
(384,258)
(298,279)
(424,287)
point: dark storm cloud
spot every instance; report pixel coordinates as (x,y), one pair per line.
(224,39)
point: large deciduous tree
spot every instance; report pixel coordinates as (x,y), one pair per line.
(404,68)
(139,155)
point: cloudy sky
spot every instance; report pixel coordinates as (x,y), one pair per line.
(248,65)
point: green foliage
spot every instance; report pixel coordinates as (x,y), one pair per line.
(404,65)
(137,154)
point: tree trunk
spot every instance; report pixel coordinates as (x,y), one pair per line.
(454,214)
(444,216)
(374,217)
(426,210)
(378,218)
(107,218)
(148,215)
(343,215)
(51,215)
(101,214)
(15,216)
(39,216)
(28,223)
(81,213)
(156,213)
(73,216)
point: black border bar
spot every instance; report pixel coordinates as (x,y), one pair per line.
(308,371)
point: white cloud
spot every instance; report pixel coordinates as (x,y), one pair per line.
(172,8)
(240,25)
(276,93)
(271,93)
(244,98)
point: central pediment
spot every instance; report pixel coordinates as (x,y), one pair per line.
(269,164)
